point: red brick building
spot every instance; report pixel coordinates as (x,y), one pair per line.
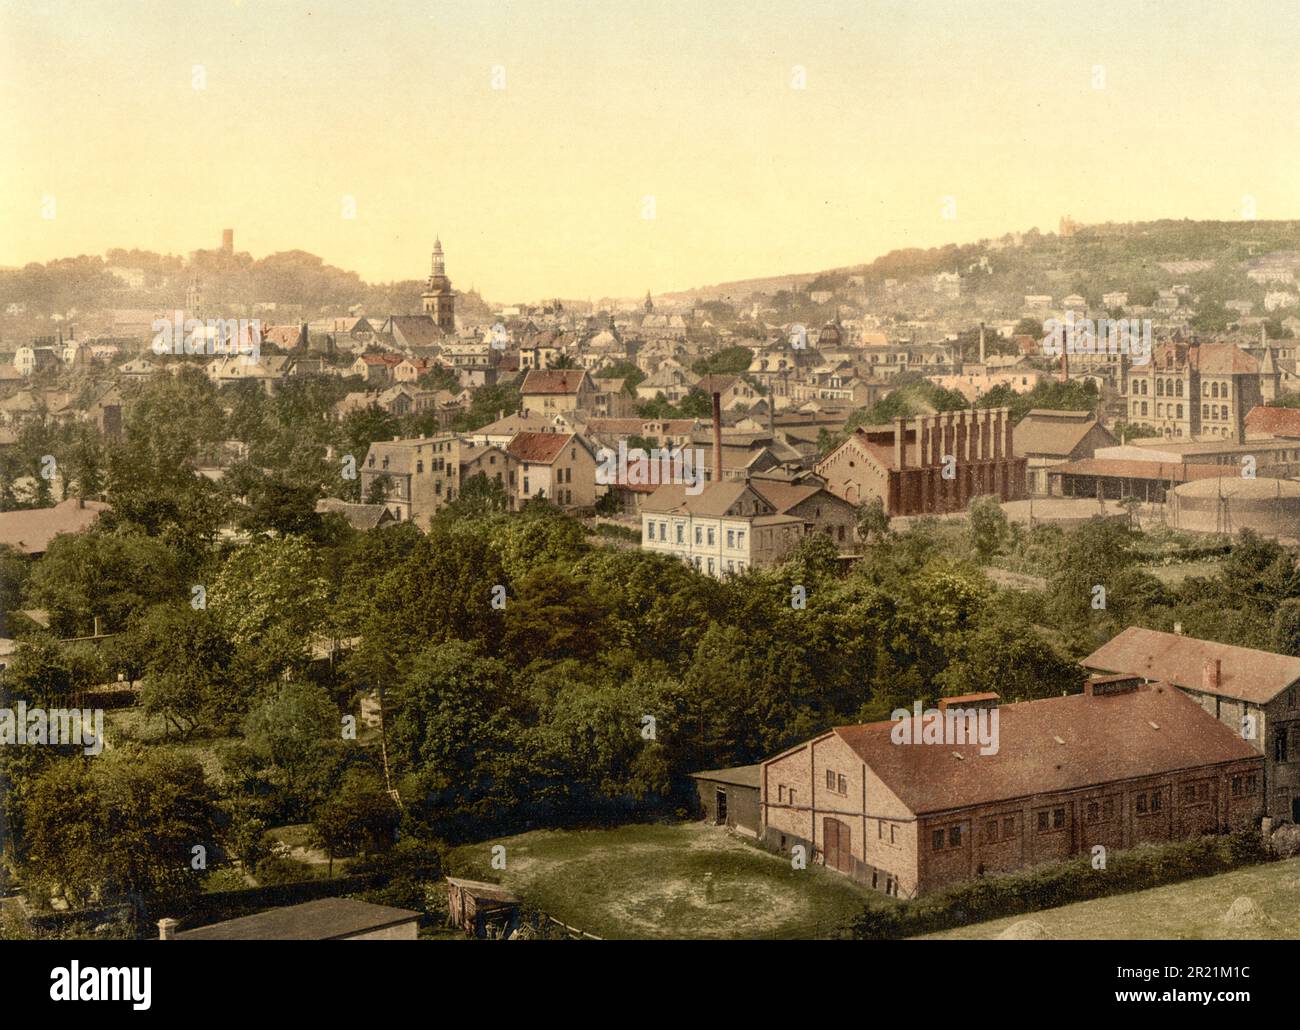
(1118,765)
(936,465)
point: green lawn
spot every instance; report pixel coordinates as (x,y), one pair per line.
(1173,575)
(685,880)
(1192,910)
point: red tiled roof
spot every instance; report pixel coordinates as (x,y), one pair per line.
(1246,674)
(1053,745)
(563,380)
(542,448)
(1273,421)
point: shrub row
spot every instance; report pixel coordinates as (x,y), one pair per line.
(1049,886)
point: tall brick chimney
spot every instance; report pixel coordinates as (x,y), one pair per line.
(717,437)
(1212,674)
(900,447)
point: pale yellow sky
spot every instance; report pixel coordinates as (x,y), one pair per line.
(539,188)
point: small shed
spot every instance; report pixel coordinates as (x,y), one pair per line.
(729,797)
(473,905)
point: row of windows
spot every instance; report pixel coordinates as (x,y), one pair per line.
(714,565)
(837,783)
(1174,388)
(735,537)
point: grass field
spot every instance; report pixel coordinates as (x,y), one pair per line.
(685,880)
(1192,910)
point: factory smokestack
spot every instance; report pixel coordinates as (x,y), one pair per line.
(717,437)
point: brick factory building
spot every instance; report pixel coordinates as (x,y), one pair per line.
(1121,764)
(936,464)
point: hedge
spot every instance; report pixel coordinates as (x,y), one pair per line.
(1050,886)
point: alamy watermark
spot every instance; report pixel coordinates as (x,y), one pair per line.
(1131,336)
(214,336)
(79,726)
(947,726)
(635,467)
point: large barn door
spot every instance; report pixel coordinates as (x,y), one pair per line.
(837,844)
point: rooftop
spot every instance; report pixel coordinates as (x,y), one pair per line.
(322,920)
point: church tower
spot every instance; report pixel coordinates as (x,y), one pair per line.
(438,300)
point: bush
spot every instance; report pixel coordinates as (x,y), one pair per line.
(1062,883)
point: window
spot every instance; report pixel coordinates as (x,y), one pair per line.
(1157,801)
(710,536)
(1008,827)
(792,795)
(780,792)
(1279,744)
(699,535)
(649,526)
(990,831)
(710,566)
(1236,786)
(740,538)
(1058,818)
(938,840)
(1252,783)
(844,784)
(1141,804)
(1043,824)
(830,780)
(892,838)
(681,533)
(731,538)
(1094,812)
(954,836)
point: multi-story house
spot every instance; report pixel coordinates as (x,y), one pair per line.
(557,391)
(733,526)
(560,467)
(417,476)
(1256,694)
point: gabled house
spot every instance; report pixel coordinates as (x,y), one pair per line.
(558,466)
(1255,694)
(555,391)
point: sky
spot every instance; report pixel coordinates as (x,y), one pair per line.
(592,149)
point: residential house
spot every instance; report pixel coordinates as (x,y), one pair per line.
(560,467)
(557,391)
(1254,694)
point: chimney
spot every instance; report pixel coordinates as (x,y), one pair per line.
(1119,683)
(922,442)
(1212,674)
(167,929)
(969,701)
(1010,445)
(995,418)
(717,437)
(900,447)
(981,343)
